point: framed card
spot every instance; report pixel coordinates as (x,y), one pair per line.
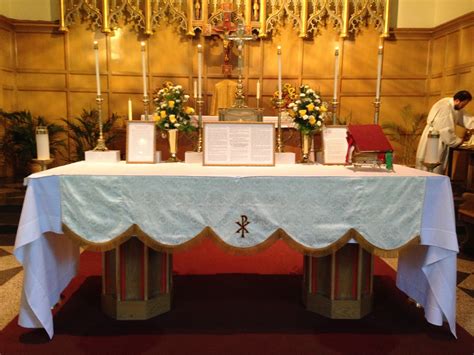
(141,142)
(334,145)
(239,144)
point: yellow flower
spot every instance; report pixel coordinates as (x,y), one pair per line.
(163,114)
(189,110)
(312,120)
(310,107)
(323,108)
(292,113)
(171,103)
(172,118)
(156,118)
(302,112)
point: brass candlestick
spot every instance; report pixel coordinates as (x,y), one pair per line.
(279,146)
(334,111)
(146,106)
(101,141)
(200,103)
(43,163)
(431,166)
(377,110)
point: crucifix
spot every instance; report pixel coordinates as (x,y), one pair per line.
(239,37)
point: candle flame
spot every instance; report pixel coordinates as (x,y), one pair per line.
(279,50)
(199,48)
(96,45)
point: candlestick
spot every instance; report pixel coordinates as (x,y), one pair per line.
(195,89)
(97,74)
(336,71)
(379,72)
(199,71)
(129,109)
(258,94)
(279,72)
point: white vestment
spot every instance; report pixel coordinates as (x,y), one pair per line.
(443,118)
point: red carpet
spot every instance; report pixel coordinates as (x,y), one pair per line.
(234,314)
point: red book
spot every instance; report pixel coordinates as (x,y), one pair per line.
(368,138)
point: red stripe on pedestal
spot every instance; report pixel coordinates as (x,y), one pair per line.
(123,275)
(355,272)
(314,274)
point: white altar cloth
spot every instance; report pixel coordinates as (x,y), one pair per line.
(427,272)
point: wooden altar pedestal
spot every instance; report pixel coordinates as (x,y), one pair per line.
(136,281)
(339,285)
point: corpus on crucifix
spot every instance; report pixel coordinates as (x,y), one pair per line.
(239,37)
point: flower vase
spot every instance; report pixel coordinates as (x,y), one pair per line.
(173,144)
(306,143)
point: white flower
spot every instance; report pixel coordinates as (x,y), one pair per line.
(318,123)
(305,117)
(302,95)
(179,87)
(291,105)
(317,108)
(167,125)
(295,108)
(177,125)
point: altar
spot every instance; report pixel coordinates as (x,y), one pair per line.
(315,209)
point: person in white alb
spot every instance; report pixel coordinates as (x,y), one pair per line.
(443,117)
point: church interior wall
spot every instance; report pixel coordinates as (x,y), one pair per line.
(53,74)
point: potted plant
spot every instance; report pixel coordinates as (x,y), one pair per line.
(19,141)
(84,132)
(406,133)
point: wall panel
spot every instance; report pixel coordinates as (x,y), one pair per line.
(54,74)
(40,51)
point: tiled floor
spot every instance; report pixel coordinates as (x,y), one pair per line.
(11,274)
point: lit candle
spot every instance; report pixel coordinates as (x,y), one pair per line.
(379,72)
(195,89)
(97,74)
(258,90)
(336,72)
(129,109)
(144,69)
(199,71)
(279,72)
(42,143)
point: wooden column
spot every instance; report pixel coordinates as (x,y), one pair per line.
(136,281)
(339,285)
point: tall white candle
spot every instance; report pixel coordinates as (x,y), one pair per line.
(129,109)
(42,143)
(336,72)
(199,71)
(143,48)
(379,72)
(279,72)
(97,74)
(195,84)
(258,90)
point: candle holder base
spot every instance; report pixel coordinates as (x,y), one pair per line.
(100,145)
(431,166)
(43,163)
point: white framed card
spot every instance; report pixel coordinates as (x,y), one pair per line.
(334,139)
(141,142)
(239,144)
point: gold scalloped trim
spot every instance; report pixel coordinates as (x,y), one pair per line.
(207,232)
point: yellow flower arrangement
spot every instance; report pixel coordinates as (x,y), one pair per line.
(171,112)
(288,95)
(308,110)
